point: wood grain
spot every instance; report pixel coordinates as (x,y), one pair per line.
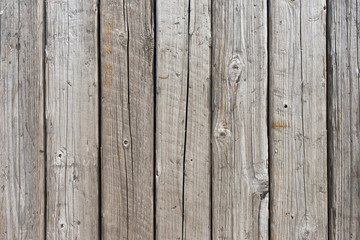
(343,119)
(21,120)
(298,159)
(197,165)
(240,147)
(72,113)
(171,106)
(127,135)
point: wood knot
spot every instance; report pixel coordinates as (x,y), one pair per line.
(236,67)
(307,227)
(222,131)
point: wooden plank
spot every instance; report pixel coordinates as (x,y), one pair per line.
(127,135)
(240,147)
(344,117)
(197,166)
(72,119)
(21,120)
(171,97)
(298,166)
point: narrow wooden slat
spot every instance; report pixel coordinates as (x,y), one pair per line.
(240,147)
(197,209)
(298,120)
(171,95)
(21,120)
(127,132)
(344,117)
(72,119)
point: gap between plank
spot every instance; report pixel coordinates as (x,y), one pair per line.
(154,132)
(44,115)
(183,232)
(99,119)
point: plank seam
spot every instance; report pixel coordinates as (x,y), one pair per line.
(154,118)
(268,112)
(211,119)
(327,123)
(44,115)
(100,119)
(183,232)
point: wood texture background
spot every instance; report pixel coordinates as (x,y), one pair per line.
(127,113)
(240,141)
(297,108)
(344,119)
(72,113)
(22,139)
(179,119)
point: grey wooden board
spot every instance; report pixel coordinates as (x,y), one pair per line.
(298,169)
(344,117)
(197,165)
(72,113)
(240,145)
(171,94)
(127,136)
(21,120)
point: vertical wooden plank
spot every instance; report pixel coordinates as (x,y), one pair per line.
(171,96)
(344,117)
(127,135)
(197,165)
(240,147)
(72,119)
(298,119)
(21,120)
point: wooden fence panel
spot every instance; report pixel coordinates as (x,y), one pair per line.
(127,128)
(343,119)
(240,147)
(298,170)
(197,156)
(172,18)
(21,120)
(72,119)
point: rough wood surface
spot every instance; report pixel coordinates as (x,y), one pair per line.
(240,147)
(171,97)
(197,175)
(127,136)
(344,117)
(21,120)
(72,120)
(298,170)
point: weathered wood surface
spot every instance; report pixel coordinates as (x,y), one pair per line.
(298,170)
(172,20)
(197,165)
(343,119)
(72,119)
(127,62)
(240,148)
(21,120)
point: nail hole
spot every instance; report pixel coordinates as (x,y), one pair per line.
(285,106)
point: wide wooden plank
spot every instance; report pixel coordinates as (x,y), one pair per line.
(240,147)
(171,105)
(21,120)
(127,127)
(343,119)
(298,169)
(197,166)
(72,119)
